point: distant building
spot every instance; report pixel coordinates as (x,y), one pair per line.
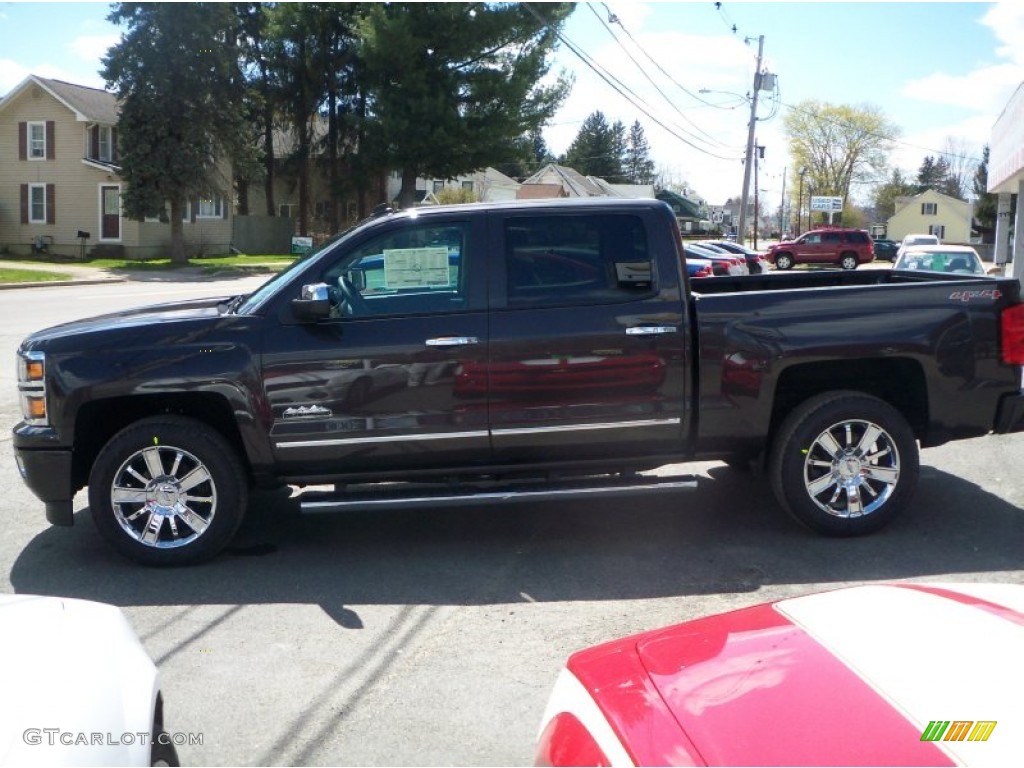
(931,213)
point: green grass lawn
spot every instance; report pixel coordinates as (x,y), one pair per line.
(30,276)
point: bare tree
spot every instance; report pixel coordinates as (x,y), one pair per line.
(960,167)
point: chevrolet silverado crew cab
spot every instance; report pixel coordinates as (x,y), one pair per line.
(508,351)
(843,247)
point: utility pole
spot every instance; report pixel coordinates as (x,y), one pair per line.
(750,143)
(782,207)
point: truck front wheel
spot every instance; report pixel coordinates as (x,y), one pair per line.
(844,464)
(167,490)
(783,261)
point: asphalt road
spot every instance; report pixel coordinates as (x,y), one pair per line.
(433,637)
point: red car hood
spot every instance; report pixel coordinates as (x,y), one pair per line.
(850,677)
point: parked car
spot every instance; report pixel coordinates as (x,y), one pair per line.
(757,263)
(725,263)
(881,674)
(699,267)
(886,249)
(959,259)
(917,239)
(71,669)
(846,248)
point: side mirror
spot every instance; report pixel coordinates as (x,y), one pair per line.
(314,302)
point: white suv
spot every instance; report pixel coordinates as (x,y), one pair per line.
(910,240)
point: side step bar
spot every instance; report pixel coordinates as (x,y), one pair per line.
(408,496)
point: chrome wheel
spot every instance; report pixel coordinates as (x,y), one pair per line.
(844,463)
(851,469)
(163,497)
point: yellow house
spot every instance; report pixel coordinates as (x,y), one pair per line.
(59,180)
(932,213)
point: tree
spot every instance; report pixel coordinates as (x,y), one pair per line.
(177,77)
(986,207)
(838,144)
(959,168)
(597,149)
(638,166)
(451,86)
(932,173)
(886,194)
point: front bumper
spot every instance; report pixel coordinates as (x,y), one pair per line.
(1010,414)
(47,473)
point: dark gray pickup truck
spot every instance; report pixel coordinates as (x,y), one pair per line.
(511,351)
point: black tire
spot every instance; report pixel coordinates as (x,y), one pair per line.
(163,752)
(181,491)
(836,449)
(848,261)
(783,261)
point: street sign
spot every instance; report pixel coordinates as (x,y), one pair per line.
(823,203)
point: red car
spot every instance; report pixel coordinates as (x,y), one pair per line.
(895,674)
(845,248)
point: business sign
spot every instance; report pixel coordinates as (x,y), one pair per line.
(823,203)
(301,245)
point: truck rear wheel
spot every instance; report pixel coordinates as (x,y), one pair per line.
(848,261)
(844,464)
(167,490)
(783,261)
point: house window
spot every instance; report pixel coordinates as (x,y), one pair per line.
(210,207)
(929,209)
(467,185)
(106,143)
(287,211)
(37,203)
(438,186)
(938,230)
(37,141)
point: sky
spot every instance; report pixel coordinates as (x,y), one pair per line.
(942,72)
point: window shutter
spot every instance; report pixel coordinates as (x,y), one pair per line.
(194,207)
(24,202)
(23,141)
(223,207)
(114,155)
(51,141)
(51,211)
(94,142)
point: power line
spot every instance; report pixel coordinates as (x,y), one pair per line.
(620,88)
(615,20)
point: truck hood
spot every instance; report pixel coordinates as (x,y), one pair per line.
(156,314)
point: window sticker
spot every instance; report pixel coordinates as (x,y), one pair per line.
(416,268)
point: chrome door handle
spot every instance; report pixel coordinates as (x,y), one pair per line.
(650,330)
(452,341)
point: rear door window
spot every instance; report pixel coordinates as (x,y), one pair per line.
(553,261)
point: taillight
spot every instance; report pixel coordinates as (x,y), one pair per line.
(566,741)
(704,271)
(1013,334)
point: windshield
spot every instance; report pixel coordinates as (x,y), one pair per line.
(255,300)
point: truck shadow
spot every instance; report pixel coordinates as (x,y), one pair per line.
(728,536)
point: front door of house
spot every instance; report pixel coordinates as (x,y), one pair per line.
(110,213)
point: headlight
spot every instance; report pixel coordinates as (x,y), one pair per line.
(32,386)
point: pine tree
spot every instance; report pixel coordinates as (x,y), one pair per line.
(177,76)
(452,86)
(597,149)
(986,207)
(638,167)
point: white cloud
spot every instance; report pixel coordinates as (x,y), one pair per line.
(1006,20)
(985,89)
(93,47)
(12,73)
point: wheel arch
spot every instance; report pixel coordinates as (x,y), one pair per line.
(897,381)
(99,420)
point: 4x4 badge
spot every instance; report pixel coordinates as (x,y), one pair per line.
(305,411)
